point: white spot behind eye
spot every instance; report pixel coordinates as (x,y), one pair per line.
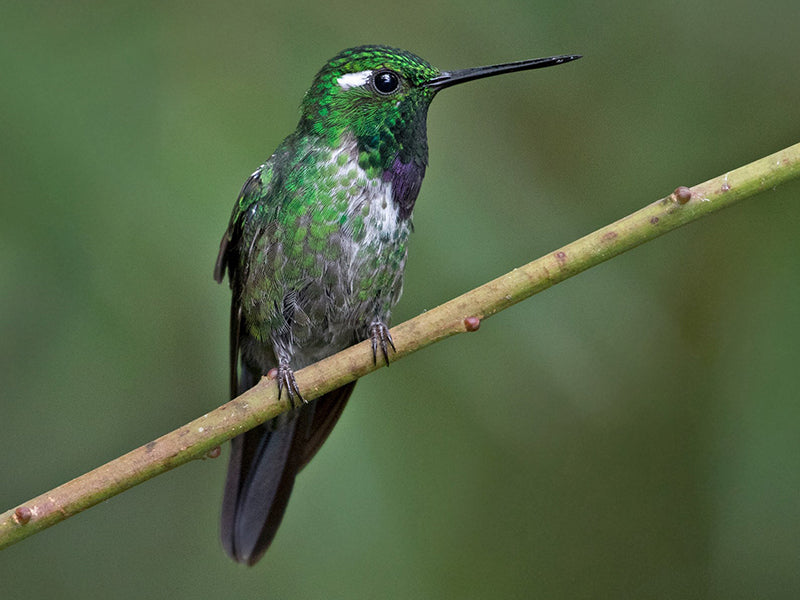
(351,80)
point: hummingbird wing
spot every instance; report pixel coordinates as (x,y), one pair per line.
(229,258)
(264,461)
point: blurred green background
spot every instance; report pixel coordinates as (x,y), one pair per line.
(631,433)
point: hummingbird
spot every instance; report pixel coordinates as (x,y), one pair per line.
(315,252)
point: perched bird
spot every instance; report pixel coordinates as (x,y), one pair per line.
(315,252)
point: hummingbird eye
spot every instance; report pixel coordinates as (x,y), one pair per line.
(386,82)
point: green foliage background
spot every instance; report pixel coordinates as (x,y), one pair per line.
(631,433)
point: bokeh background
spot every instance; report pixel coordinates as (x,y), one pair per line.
(631,433)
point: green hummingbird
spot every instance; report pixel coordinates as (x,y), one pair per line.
(315,252)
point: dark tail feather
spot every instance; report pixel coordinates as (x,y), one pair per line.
(262,469)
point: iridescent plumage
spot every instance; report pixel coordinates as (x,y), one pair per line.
(315,252)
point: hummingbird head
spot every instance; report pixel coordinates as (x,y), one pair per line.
(381,95)
(378,95)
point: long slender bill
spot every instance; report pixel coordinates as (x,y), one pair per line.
(448,78)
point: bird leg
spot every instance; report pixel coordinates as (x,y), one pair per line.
(380,336)
(286,380)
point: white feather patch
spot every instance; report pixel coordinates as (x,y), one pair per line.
(351,80)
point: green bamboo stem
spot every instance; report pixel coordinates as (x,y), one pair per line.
(203,435)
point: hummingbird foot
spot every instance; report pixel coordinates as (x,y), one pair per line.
(287,381)
(380,336)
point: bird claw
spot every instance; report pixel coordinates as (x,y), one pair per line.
(287,381)
(379,334)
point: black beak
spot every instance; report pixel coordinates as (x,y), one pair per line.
(448,78)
